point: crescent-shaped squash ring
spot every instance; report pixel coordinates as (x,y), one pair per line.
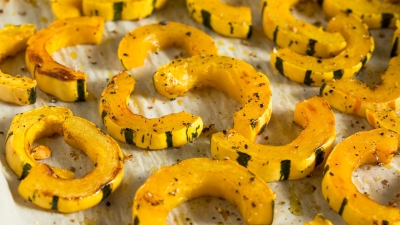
(353,96)
(173,130)
(66,8)
(235,77)
(196,177)
(67,84)
(231,21)
(375,13)
(281,27)
(121,9)
(27,127)
(371,147)
(138,43)
(314,71)
(15,89)
(288,162)
(45,189)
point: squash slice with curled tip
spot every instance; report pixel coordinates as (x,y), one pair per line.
(197,177)
(224,19)
(314,71)
(233,76)
(121,9)
(375,13)
(15,89)
(66,8)
(281,27)
(353,96)
(27,127)
(43,188)
(371,147)
(65,83)
(288,162)
(138,43)
(173,130)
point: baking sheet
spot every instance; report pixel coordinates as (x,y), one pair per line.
(101,62)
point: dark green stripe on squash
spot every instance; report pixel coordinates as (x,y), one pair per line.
(9,135)
(263,8)
(363,61)
(81,85)
(311,47)
(394,52)
(54,202)
(386,19)
(32,95)
(129,134)
(384,222)
(118,10)
(279,66)
(342,206)
(169,139)
(319,155)
(275,36)
(206,18)
(321,90)
(25,170)
(103,115)
(250,32)
(307,78)
(107,189)
(338,74)
(243,158)
(136,221)
(285,169)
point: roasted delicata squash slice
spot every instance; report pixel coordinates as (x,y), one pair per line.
(314,71)
(65,83)
(44,188)
(173,185)
(15,89)
(371,147)
(395,43)
(121,9)
(384,118)
(353,96)
(375,13)
(233,76)
(281,27)
(138,43)
(66,8)
(227,20)
(288,162)
(173,130)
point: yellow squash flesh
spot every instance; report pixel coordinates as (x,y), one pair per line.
(319,219)
(384,118)
(65,83)
(314,71)
(371,147)
(138,43)
(45,189)
(66,8)
(15,89)
(288,162)
(173,130)
(353,96)
(121,9)
(281,27)
(227,20)
(197,177)
(233,76)
(375,13)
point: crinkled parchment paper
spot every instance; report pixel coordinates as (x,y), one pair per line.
(101,62)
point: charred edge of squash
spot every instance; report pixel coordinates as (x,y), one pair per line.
(118,6)
(107,189)
(81,91)
(386,19)
(285,169)
(129,135)
(243,159)
(25,170)
(393,52)
(319,156)
(54,202)
(32,95)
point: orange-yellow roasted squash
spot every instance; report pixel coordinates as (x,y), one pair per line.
(44,188)
(288,162)
(353,96)
(121,9)
(384,118)
(173,130)
(281,27)
(375,13)
(15,89)
(66,8)
(319,219)
(371,147)
(138,43)
(65,83)
(235,77)
(227,20)
(197,177)
(314,71)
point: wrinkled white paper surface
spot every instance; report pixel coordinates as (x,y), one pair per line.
(101,62)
